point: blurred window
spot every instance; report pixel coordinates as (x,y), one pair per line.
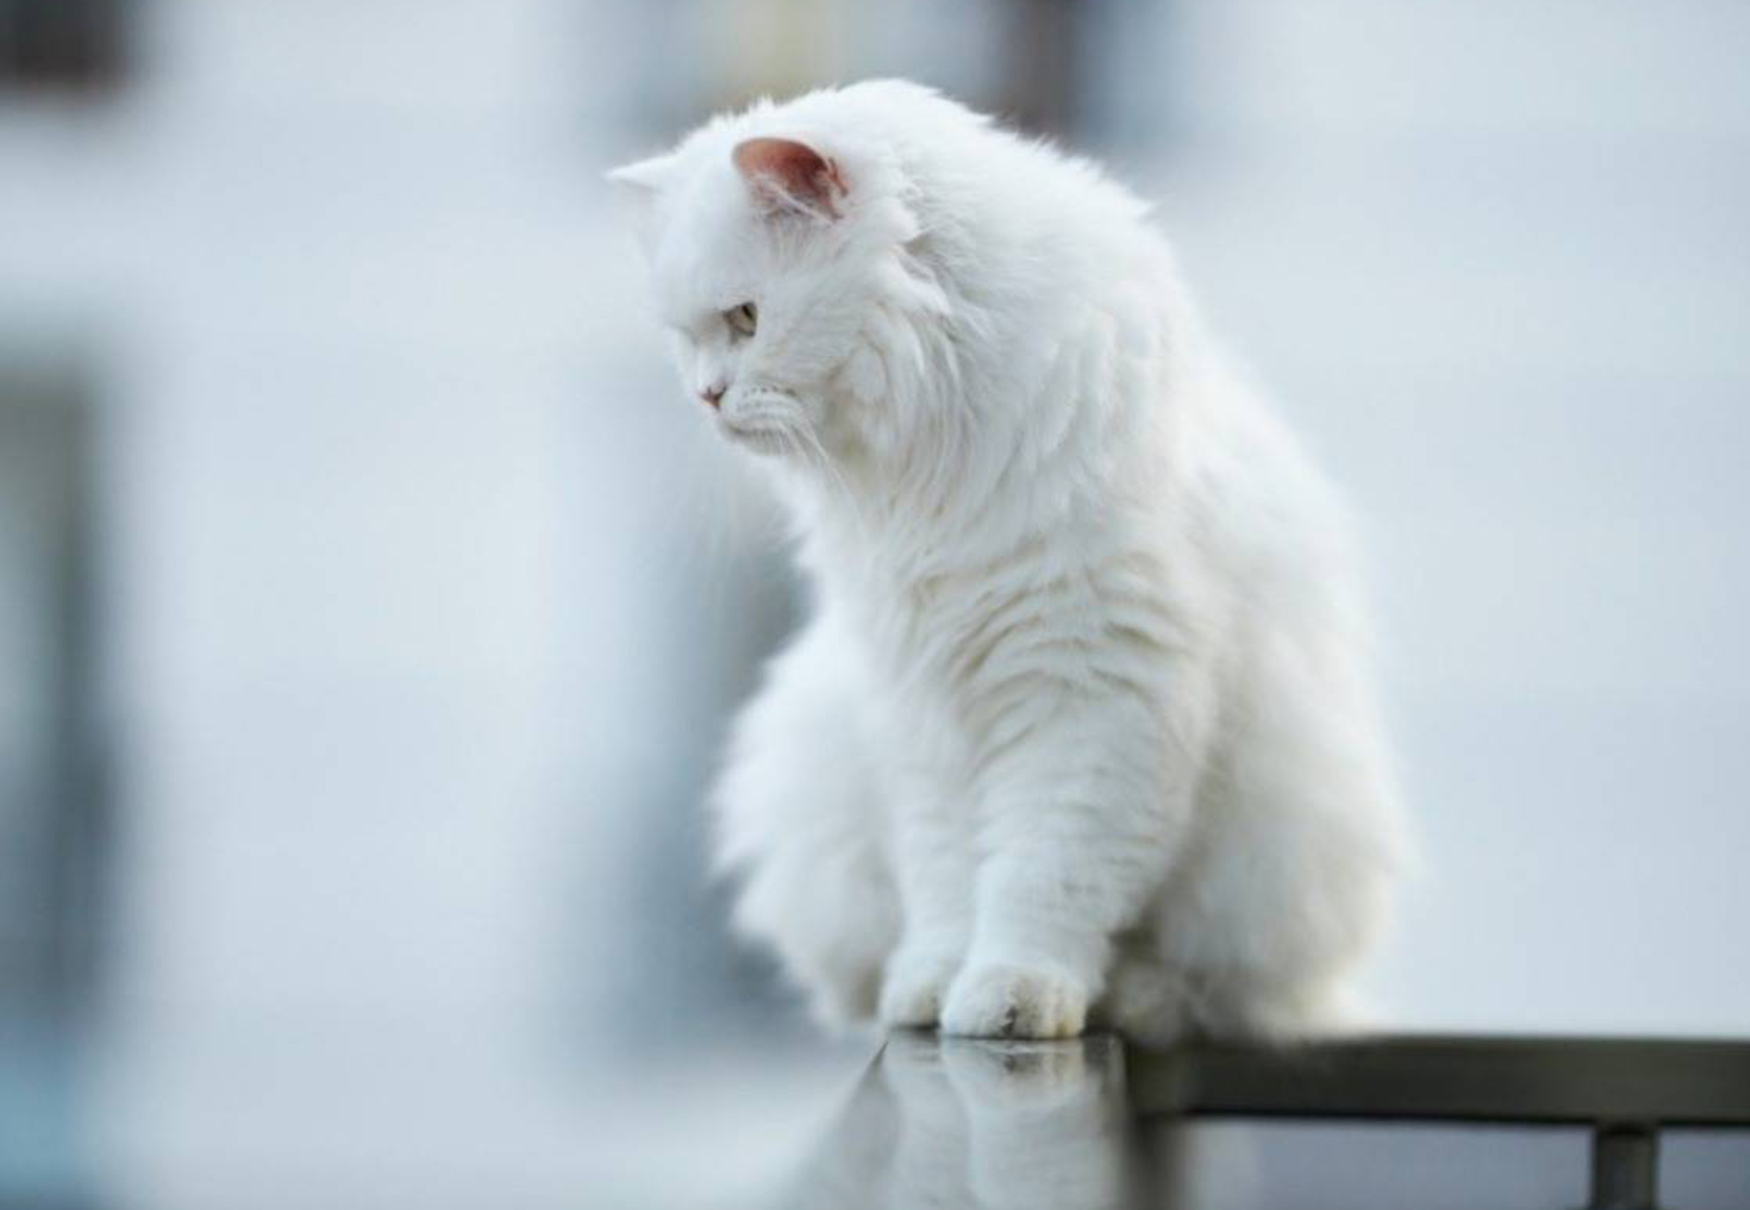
(51,804)
(77,45)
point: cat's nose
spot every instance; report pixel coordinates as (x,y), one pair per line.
(713,394)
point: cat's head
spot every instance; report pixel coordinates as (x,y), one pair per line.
(779,249)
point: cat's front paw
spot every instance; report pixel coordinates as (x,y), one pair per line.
(1003,1000)
(914,987)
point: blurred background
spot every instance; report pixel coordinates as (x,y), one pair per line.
(372,601)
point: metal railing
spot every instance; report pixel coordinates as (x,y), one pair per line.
(1624,1089)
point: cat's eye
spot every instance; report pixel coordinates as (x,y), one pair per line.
(742,320)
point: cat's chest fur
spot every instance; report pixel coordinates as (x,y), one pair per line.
(908,619)
(949,637)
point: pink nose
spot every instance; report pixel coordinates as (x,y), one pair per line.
(713,394)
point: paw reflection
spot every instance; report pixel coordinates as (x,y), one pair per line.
(990,1125)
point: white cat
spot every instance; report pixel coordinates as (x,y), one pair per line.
(1079,727)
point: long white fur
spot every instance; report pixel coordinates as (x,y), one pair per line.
(1080,725)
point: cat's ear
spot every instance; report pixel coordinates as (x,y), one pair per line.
(786,176)
(640,185)
(644,179)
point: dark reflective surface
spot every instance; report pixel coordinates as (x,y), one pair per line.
(989,1125)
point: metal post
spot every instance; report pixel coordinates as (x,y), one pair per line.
(1625,1167)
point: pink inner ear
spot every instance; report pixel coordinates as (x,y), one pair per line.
(780,170)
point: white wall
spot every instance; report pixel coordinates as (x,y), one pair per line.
(341,267)
(1494,258)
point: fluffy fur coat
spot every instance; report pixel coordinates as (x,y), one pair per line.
(1079,727)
